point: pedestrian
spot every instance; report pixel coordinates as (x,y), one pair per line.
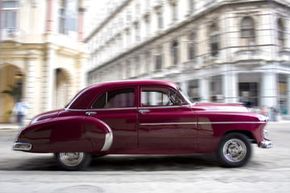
(20,111)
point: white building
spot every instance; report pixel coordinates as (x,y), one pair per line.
(216,50)
(41,56)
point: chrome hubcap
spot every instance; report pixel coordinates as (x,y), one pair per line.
(72,158)
(235,150)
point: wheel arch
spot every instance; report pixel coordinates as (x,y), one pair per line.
(247,133)
(68,134)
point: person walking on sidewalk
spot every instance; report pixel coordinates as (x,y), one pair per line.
(20,110)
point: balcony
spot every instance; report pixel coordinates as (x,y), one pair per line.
(157,3)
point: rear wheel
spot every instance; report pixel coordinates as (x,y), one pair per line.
(234,150)
(73,160)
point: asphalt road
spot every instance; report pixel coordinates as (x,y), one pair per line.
(268,171)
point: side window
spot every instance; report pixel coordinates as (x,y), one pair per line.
(116,99)
(160,97)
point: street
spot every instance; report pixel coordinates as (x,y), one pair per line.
(268,171)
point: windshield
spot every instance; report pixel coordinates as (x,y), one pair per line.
(73,99)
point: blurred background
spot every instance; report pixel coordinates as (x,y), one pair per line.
(215,50)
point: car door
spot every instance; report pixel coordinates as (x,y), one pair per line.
(166,122)
(118,108)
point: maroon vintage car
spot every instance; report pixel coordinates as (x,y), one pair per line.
(142,117)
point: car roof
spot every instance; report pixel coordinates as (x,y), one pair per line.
(84,98)
(122,83)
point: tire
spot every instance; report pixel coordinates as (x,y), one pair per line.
(73,161)
(234,150)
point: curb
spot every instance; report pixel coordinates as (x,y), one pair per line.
(7,127)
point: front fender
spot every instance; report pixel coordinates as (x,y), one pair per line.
(68,134)
(212,126)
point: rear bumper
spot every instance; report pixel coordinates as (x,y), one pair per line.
(20,146)
(266,144)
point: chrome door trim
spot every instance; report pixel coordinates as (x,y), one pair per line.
(104,109)
(168,123)
(164,107)
(143,111)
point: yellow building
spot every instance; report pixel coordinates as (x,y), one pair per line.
(42,58)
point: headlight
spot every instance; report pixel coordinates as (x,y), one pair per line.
(263,118)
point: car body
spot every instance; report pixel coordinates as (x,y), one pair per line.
(142,117)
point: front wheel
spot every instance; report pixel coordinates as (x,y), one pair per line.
(73,160)
(234,150)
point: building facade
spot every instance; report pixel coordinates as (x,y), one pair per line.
(216,50)
(42,58)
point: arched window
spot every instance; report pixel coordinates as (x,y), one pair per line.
(158,59)
(214,39)
(248,34)
(159,13)
(174,52)
(191,4)
(191,45)
(281,33)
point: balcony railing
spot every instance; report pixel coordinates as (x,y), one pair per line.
(8,34)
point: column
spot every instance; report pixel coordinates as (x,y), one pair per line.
(269,89)
(81,66)
(166,55)
(204,89)
(31,91)
(183,49)
(184,87)
(143,62)
(81,12)
(49,80)
(49,14)
(230,87)
(288,95)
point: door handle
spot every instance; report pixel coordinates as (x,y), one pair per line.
(90,113)
(142,111)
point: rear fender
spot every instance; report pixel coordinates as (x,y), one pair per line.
(68,134)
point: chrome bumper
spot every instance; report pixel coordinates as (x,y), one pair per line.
(266,144)
(19,146)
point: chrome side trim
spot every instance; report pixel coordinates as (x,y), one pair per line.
(169,123)
(108,142)
(200,123)
(231,122)
(19,146)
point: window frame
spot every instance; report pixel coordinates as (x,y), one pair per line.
(7,12)
(160,87)
(115,89)
(281,34)
(214,40)
(248,31)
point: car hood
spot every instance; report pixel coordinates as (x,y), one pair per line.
(224,107)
